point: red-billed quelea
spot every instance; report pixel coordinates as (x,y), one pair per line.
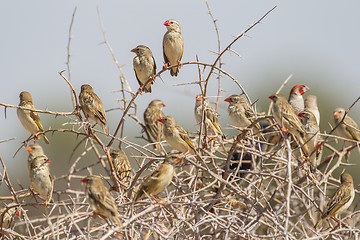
(210,115)
(241,113)
(288,121)
(39,173)
(100,199)
(144,66)
(341,200)
(173,46)
(312,129)
(29,119)
(296,99)
(311,106)
(92,106)
(159,179)
(177,137)
(348,128)
(7,213)
(151,115)
(122,167)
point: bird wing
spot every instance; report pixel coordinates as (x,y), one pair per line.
(355,133)
(339,199)
(184,136)
(35,116)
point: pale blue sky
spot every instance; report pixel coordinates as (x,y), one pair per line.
(316,41)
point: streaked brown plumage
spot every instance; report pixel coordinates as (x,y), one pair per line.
(29,119)
(92,106)
(211,116)
(156,182)
(122,166)
(288,121)
(151,115)
(348,128)
(341,200)
(7,213)
(144,66)
(100,199)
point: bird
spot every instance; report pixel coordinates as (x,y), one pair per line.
(29,119)
(241,113)
(151,114)
(100,199)
(173,46)
(210,115)
(39,173)
(144,66)
(122,166)
(6,214)
(288,121)
(157,181)
(348,128)
(176,136)
(296,99)
(310,104)
(92,106)
(341,200)
(312,129)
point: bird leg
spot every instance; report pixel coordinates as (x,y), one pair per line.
(162,200)
(180,64)
(284,129)
(166,65)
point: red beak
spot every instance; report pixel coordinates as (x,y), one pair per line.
(166,23)
(336,114)
(271,97)
(29,149)
(84,180)
(161,120)
(198,98)
(299,115)
(133,50)
(227,100)
(164,105)
(48,161)
(18,213)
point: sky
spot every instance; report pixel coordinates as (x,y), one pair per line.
(315,41)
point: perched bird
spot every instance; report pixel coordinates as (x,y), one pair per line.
(311,106)
(29,119)
(100,199)
(312,129)
(348,128)
(173,46)
(176,136)
(122,166)
(288,121)
(144,66)
(210,115)
(151,115)
(241,113)
(296,99)
(39,173)
(6,214)
(92,106)
(341,200)
(159,179)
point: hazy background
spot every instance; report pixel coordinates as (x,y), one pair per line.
(316,41)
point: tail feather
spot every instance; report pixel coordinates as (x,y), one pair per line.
(174,71)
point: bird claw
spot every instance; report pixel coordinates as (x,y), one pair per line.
(180,64)
(165,66)
(284,129)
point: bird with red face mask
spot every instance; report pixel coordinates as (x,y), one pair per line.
(296,99)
